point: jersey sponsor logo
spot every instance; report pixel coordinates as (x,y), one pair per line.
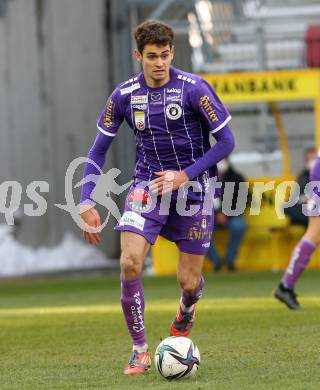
(130,218)
(139,99)
(173,90)
(141,107)
(174,98)
(195,233)
(132,88)
(206,245)
(107,117)
(139,200)
(206,104)
(156,96)
(140,120)
(173,111)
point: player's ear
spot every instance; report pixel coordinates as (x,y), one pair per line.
(138,55)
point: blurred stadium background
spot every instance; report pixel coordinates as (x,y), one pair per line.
(59,60)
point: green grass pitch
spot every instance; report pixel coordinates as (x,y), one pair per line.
(69,333)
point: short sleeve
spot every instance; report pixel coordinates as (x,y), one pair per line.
(209,107)
(112,115)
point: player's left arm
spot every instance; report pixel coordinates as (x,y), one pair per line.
(222,148)
(215,117)
(172,180)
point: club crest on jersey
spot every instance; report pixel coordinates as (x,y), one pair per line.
(173,111)
(139,200)
(140,120)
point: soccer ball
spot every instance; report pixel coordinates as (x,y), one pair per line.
(176,358)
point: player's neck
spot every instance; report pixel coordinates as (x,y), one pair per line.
(156,83)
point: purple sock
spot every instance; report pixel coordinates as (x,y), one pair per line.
(132,301)
(299,260)
(188,300)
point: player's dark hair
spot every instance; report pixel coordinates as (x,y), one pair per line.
(153,32)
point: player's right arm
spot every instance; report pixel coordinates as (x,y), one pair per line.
(108,124)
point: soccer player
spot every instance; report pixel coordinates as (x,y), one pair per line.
(172,114)
(301,255)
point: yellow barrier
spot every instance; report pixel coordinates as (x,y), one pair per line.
(267,245)
(269,240)
(262,249)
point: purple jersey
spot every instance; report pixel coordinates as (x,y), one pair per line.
(172,123)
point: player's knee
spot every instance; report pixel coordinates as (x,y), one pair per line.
(130,265)
(189,284)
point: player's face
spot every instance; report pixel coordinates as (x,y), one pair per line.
(156,61)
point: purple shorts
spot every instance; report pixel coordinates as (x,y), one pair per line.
(150,216)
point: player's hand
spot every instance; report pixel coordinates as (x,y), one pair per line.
(303,199)
(91,219)
(168,181)
(221,219)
